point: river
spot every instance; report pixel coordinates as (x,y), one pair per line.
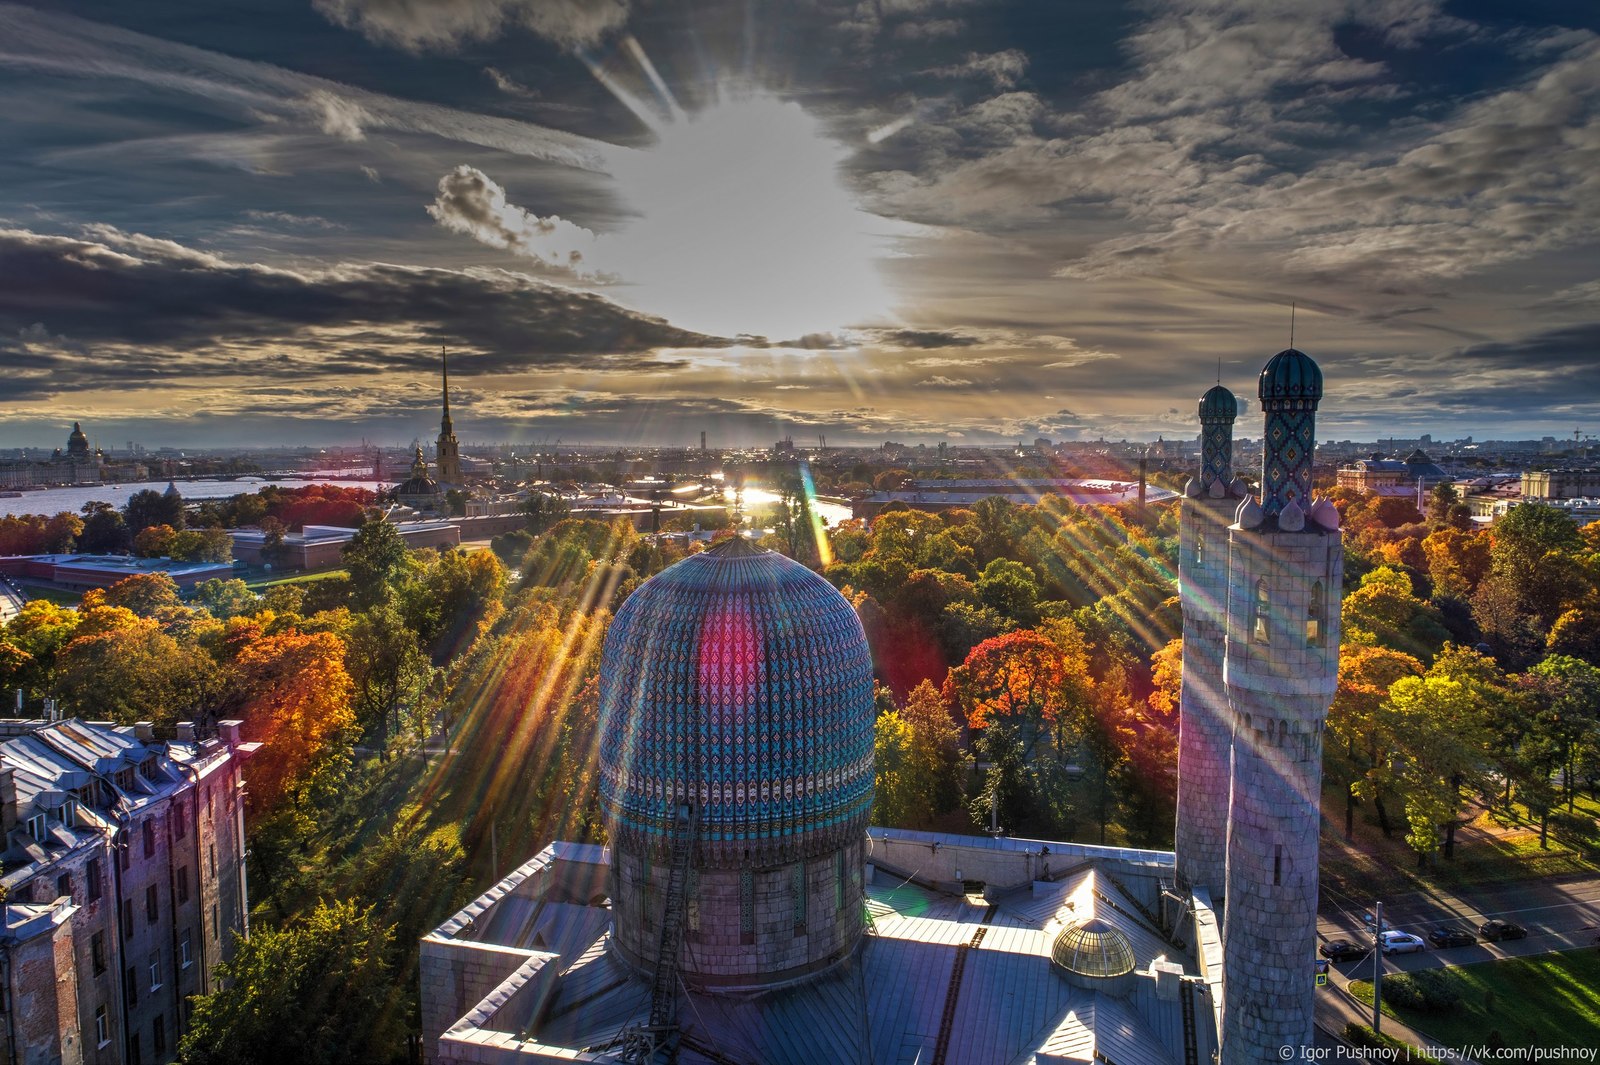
(55,500)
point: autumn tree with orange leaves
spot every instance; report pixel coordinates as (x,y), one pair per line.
(295,700)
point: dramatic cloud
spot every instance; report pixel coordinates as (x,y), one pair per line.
(470,202)
(417,25)
(1002,69)
(167,311)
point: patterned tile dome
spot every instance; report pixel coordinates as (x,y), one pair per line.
(1290,375)
(737,680)
(1218,404)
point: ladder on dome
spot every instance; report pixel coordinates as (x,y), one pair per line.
(657,1041)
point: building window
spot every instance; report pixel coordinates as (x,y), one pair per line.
(216,922)
(69,812)
(149,839)
(131,978)
(102,1027)
(183,884)
(209,812)
(838,883)
(158,1034)
(134,1057)
(1199,549)
(127,918)
(747,907)
(155,969)
(152,904)
(1277,864)
(97,952)
(798,894)
(1316,621)
(124,855)
(1258,632)
(184,960)
(178,828)
(64,885)
(36,827)
(213,848)
(94,880)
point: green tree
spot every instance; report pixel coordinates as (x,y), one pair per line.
(1011,590)
(895,799)
(544,511)
(104,530)
(225,599)
(149,507)
(377,559)
(315,990)
(388,670)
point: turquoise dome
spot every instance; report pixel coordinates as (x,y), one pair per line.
(1218,404)
(740,682)
(1292,375)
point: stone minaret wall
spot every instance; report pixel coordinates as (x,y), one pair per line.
(1204,732)
(1280,671)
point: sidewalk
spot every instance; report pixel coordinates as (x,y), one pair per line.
(1336,1007)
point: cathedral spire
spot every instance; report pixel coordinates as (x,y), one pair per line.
(444,365)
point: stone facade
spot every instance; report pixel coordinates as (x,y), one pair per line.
(1204,733)
(744,928)
(142,842)
(1281,670)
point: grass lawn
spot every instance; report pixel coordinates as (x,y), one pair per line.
(261,584)
(1548,1001)
(58,596)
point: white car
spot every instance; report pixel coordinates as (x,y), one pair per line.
(1401,943)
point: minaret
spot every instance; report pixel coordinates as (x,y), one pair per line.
(449,456)
(1204,732)
(1280,669)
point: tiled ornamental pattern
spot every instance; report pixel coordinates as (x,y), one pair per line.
(1290,386)
(739,681)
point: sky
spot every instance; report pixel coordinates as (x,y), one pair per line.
(631,221)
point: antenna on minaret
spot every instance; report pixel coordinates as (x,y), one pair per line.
(1219,369)
(1291,324)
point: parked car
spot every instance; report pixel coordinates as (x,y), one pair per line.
(1401,943)
(1449,935)
(1341,950)
(1494,931)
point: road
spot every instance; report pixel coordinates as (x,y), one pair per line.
(11,600)
(1558,914)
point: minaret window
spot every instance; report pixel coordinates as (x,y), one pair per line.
(1277,864)
(1258,631)
(1200,549)
(1316,623)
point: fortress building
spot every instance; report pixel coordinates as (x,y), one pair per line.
(744,912)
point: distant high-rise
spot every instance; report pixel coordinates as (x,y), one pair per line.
(449,454)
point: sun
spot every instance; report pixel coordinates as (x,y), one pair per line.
(742,225)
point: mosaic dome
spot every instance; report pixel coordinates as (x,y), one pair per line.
(1290,374)
(1093,949)
(1218,404)
(737,680)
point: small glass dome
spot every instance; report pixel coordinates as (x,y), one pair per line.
(1093,949)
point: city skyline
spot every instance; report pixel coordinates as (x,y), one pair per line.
(918,220)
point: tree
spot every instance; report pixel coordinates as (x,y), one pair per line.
(40,630)
(149,507)
(315,990)
(294,696)
(1457,561)
(274,546)
(124,667)
(225,599)
(104,531)
(895,802)
(154,541)
(1027,681)
(202,545)
(544,510)
(377,558)
(1567,696)
(389,672)
(1385,611)
(1440,729)
(143,593)
(1011,590)
(1361,739)
(934,766)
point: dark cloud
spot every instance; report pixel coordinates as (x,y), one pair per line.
(418,25)
(168,309)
